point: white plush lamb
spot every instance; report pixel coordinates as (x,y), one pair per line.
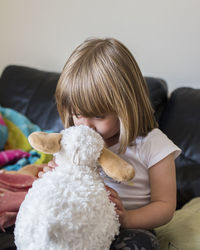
(68,208)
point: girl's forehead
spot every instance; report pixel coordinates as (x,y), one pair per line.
(89,113)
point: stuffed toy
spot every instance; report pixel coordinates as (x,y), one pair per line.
(69,207)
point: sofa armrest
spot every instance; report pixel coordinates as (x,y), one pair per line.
(188,183)
(180,121)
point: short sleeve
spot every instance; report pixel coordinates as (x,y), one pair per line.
(156,146)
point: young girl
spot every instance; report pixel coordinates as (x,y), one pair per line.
(102,87)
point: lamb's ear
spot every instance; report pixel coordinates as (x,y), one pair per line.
(48,143)
(116,167)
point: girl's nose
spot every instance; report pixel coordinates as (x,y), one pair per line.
(88,122)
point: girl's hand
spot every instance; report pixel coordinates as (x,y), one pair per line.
(49,167)
(120,210)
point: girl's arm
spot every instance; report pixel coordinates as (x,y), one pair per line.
(163,199)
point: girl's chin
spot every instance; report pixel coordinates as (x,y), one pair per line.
(112,140)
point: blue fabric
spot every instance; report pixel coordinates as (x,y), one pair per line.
(3,136)
(23,123)
(19,139)
(23,161)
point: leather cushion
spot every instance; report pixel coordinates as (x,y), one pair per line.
(31,92)
(180,121)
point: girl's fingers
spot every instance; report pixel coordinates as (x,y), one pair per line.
(47,169)
(52,164)
(114,197)
(117,203)
(112,192)
(41,166)
(40,174)
(44,169)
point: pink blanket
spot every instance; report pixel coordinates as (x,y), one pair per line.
(13,189)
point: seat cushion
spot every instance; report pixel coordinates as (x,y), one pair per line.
(183,231)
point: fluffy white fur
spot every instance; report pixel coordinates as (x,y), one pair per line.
(69,208)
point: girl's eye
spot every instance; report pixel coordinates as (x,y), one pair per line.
(100,117)
(77,115)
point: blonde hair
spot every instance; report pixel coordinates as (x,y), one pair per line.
(102,77)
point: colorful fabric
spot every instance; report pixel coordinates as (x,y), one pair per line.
(3,132)
(9,156)
(14,131)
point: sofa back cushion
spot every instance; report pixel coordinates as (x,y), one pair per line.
(31,92)
(158,93)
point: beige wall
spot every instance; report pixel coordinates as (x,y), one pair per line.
(163,35)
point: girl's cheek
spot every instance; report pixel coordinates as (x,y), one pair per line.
(76,121)
(100,130)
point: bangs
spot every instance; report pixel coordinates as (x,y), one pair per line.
(88,96)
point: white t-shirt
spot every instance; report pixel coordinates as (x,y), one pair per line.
(142,154)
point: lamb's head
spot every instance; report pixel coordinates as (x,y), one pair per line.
(81,145)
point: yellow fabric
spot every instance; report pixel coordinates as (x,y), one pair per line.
(16,139)
(44,158)
(183,231)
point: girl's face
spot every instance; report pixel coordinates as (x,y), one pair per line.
(107,126)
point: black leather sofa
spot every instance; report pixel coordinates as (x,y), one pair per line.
(31,92)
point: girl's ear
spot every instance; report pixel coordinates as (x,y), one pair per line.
(48,143)
(116,167)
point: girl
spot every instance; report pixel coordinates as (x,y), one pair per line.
(102,87)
